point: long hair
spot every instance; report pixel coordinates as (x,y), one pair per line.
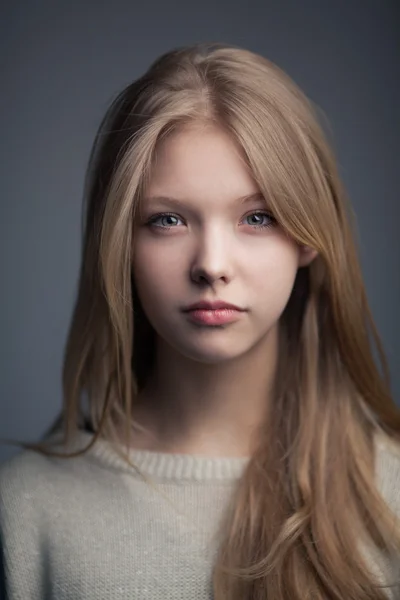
(308,495)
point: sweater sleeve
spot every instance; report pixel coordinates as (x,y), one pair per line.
(21,568)
(388,479)
(3,595)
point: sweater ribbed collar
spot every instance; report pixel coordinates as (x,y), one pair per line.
(159,465)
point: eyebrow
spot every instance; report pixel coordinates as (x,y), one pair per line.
(169,200)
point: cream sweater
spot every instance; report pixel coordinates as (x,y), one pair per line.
(90,528)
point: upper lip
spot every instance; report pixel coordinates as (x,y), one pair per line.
(211,306)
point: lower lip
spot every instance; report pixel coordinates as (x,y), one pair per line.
(214,317)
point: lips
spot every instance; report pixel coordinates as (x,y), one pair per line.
(203,305)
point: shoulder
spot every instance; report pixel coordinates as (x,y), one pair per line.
(387,469)
(23,471)
(24,481)
(24,503)
(34,491)
(32,482)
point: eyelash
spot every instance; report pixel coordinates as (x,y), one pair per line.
(272,222)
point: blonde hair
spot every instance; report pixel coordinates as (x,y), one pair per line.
(308,494)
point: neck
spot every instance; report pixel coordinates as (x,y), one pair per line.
(213,409)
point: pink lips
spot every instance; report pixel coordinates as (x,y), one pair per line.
(219,316)
(213,313)
(212,306)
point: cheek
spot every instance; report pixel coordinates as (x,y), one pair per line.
(272,278)
(154,276)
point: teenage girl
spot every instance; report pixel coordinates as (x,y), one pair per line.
(225,430)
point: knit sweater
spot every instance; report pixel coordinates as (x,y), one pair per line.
(91,528)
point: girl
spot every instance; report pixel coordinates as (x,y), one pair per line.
(225,431)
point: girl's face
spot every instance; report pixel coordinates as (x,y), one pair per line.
(212,246)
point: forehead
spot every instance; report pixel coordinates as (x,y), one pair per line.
(199,161)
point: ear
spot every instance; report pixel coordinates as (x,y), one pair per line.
(306,255)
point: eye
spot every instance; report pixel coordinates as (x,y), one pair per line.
(155,218)
(269,220)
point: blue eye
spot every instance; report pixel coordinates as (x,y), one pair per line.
(270,221)
(262,213)
(155,218)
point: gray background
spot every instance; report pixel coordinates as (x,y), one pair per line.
(61,65)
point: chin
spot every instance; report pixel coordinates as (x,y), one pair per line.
(212,353)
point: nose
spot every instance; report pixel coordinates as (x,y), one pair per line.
(212,260)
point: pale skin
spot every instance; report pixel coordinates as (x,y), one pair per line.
(211,386)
